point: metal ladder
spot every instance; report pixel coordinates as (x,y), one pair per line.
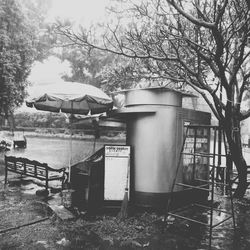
(196,149)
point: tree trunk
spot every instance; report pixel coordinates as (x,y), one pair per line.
(235,147)
(11,121)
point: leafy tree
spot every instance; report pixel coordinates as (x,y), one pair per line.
(44,39)
(19,45)
(85,65)
(201,43)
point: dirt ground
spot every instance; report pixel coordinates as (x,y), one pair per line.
(26,222)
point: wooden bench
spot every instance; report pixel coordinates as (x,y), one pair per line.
(33,169)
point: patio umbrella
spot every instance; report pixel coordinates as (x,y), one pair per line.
(71,98)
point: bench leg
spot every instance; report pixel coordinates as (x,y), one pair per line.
(63,180)
(47,184)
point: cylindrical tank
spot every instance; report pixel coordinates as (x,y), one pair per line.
(155,127)
(154,139)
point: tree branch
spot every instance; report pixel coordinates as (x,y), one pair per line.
(190,17)
(217,115)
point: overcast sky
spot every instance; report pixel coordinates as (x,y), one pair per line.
(82,11)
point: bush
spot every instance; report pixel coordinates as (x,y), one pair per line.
(40,120)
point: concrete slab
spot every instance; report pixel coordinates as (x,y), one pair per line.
(61,212)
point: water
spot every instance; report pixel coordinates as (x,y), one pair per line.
(56,151)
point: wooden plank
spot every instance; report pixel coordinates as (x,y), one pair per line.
(61,212)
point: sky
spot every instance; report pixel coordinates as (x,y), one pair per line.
(50,71)
(84,11)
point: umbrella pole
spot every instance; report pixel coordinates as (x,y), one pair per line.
(96,133)
(70,128)
(70,157)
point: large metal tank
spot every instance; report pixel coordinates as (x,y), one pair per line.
(155,122)
(154,139)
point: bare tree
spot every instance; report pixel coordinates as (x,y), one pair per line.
(202,43)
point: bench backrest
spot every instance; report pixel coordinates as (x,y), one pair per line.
(26,166)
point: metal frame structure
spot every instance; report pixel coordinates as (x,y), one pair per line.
(219,176)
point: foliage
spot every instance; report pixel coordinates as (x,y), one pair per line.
(85,65)
(20,45)
(99,68)
(41,120)
(44,38)
(121,74)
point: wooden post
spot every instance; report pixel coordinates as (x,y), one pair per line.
(6,171)
(47,177)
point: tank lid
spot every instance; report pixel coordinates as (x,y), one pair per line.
(162,88)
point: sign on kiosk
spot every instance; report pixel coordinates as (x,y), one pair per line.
(117,169)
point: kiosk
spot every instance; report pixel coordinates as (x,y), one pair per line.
(155,121)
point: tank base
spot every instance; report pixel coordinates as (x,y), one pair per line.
(158,201)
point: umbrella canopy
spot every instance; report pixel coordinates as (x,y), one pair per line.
(71,97)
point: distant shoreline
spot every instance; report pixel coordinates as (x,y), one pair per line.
(64,136)
(75,137)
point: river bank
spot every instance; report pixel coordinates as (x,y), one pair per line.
(64,134)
